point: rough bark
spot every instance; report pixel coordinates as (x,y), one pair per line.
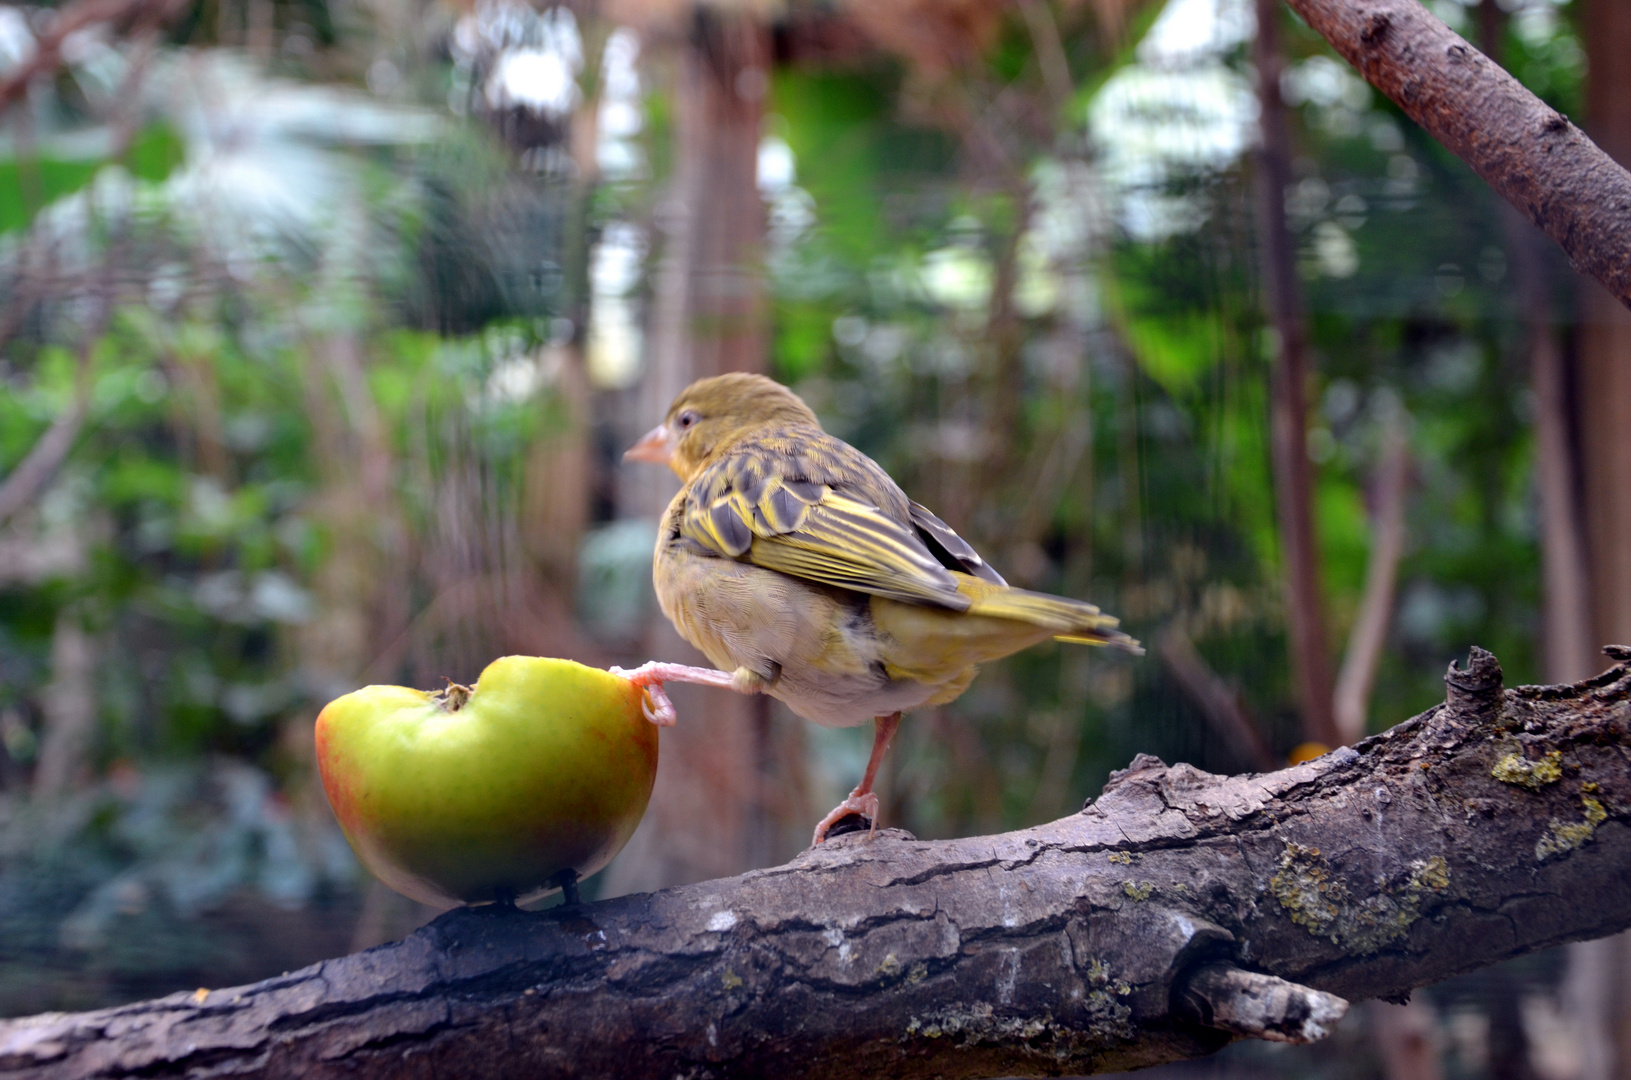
(1526,150)
(1489,826)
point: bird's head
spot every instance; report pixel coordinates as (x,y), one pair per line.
(712,414)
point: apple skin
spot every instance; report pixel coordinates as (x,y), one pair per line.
(548,766)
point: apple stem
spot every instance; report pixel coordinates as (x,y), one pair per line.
(568,880)
(452,697)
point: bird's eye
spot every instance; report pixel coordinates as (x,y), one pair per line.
(687,418)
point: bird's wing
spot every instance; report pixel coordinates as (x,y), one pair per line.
(952,550)
(808,505)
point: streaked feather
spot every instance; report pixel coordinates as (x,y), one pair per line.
(806,504)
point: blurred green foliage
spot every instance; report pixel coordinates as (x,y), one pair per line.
(31,181)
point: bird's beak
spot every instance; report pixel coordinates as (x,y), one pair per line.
(656,447)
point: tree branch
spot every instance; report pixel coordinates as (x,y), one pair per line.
(1177,911)
(1526,150)
(69,20)
(44,458)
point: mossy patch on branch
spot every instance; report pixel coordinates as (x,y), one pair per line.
(1306,888)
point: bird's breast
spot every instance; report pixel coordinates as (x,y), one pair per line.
(817,645)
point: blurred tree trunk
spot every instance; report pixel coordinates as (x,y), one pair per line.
(362,581)
(1219,703)
(1293,473)
(1407,1036)
(1567,654)
(561,467)
(1605,344)
(69,704)
(69,708)
(1599,982)
(708,813)
(561,470)
(1568,651)
(1351,700)
(1333,713)
(1511,1056)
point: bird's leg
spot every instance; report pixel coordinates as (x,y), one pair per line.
(744,680)
(863,800)
(651,676)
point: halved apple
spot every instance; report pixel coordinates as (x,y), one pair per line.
(489,792)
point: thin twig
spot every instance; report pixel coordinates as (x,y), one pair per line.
(1050,50)
(76,16)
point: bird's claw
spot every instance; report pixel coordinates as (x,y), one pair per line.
(860,802)
(656,707)
(650,677)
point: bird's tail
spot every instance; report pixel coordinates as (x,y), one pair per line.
(1074,621)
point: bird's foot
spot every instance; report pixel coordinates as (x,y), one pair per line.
(860,802)
(651,676)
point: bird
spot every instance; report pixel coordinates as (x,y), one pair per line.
(801,570)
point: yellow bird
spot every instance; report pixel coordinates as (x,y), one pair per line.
(797,565)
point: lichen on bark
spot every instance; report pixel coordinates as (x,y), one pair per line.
(1516,769)
(1564,837)
(1314,898)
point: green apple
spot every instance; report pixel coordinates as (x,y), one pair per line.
(489,792)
